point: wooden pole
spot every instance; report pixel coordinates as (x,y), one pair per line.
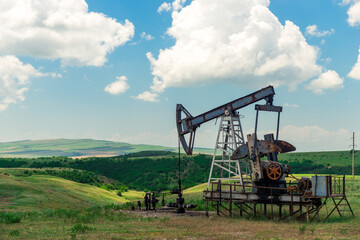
(353,156)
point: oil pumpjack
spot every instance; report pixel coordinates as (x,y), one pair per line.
(240,160)
(239,172)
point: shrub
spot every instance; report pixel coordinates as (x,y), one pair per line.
(14,233)
(302,229)
(80,228)
(9,217)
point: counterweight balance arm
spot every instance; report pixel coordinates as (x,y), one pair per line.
(188,124)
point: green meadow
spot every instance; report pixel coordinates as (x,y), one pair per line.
(48,207)
(328,159)
(25,193)
(87,203)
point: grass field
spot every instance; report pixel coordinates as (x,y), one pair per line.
(46,207)
(330,159)
(25,193)
(113,224)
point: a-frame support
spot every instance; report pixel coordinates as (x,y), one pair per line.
(337,207)
(230,137)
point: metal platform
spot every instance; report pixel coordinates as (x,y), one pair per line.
(226,197)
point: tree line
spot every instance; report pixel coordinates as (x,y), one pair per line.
(149,170)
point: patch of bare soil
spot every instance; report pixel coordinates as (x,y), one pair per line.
(169,212)
(5,200)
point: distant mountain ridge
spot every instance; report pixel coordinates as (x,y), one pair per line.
(73,148)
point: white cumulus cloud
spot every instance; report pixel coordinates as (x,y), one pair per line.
(304,138)
(175,6)
(117,87)
(204,138)
(164,7)
(63,30)
(237,41)
(14,80)
(178,4)
(354,20)
(353,12)
(315,138)
(145,36)
(147,96)
(314,31)
(327,80)
(355,71)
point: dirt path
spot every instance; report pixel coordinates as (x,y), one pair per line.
(170,212)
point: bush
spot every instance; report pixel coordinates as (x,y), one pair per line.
(80,228)
(302,229)
(10,217)
(14,233)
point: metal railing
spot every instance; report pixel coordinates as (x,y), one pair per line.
(228,193)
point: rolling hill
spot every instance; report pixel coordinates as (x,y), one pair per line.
(20,192)
(76,148)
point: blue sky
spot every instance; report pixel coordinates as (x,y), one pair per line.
(115,70)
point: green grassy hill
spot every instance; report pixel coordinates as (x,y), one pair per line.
(329,158)
(109,223)
(47,207)
(151,170)
(20,192)
(77,148)
(71,148)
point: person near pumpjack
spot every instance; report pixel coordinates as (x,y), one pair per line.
(153,202)
(146,200)
(149,201)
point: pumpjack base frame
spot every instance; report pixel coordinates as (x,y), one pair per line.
(226,197)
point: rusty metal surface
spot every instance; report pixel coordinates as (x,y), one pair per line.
(254,156)
(241,152)
(264,147)
(274,171)
(284,146)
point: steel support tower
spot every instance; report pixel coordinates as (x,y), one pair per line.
(230,136)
